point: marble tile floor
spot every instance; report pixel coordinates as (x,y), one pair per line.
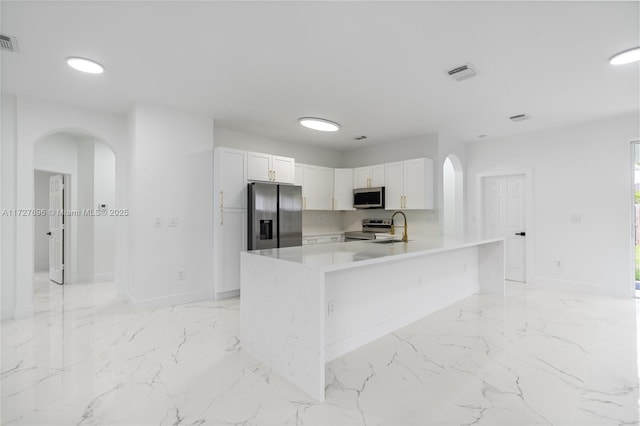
(532,357)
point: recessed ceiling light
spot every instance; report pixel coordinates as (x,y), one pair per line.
(85,65)
(626,57)
(319,124)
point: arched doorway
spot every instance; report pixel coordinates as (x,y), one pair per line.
(453,196)
(87,165)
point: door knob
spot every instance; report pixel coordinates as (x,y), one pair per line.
(49,233)
(522,234)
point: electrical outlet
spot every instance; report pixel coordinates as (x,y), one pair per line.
(331,307)
(557,263)
(158,221)
(173,221)
(181,275)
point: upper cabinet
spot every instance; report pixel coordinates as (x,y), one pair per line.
(270,168)
(343,189)
(409,184)
(317,186)
(369,176)
(231,178)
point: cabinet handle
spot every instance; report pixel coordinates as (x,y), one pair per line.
(221,199)
(368,182)
(304,203)
(221,217)
(333,203)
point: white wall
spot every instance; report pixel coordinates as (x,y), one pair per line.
(26,120)
(302,153)
(84,236)
(172,176)
(582,170)
(104,227)
(405,149)
(8,161)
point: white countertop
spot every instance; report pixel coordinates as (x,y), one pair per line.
(336,256)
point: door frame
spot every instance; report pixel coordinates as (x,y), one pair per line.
(70,255)
(528,185)
(632,198)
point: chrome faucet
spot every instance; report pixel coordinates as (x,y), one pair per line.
(405,236)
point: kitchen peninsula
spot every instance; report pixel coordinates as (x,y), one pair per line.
(304,306)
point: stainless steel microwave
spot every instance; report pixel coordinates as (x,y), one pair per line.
(368,198)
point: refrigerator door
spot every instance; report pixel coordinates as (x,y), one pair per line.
(263,216)
(290,215)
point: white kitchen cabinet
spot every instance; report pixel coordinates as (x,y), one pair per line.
(369,176)
(230,180)
(231,239)
(394,185)
(270,168)
(322,239)
(343,189)
(230,219)
(299,175)
(418,183)
(317,187)
(409,184)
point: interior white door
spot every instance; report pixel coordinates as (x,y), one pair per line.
(56,229)
(504,215)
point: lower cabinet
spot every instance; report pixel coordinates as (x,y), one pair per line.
(322,239)
(231,239)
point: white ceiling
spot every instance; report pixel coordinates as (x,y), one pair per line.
(378,68)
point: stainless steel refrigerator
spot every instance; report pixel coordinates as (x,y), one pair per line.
(275,216)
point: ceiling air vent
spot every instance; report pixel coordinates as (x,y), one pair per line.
(463,72)
(519,117)
(8,43)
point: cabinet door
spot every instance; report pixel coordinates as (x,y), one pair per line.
(231,174)
(283,169)
(299,176)
(325,188)
(318,188)
(394,186)
(376,173)
(361,177)
(258,166)
(343,189)
(416,176)
(233,240)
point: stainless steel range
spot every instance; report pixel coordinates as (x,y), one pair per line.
(369,229)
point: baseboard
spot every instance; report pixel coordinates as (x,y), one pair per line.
(7,312)
(584,287)
(226,294)
(165,301)
(100,278)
